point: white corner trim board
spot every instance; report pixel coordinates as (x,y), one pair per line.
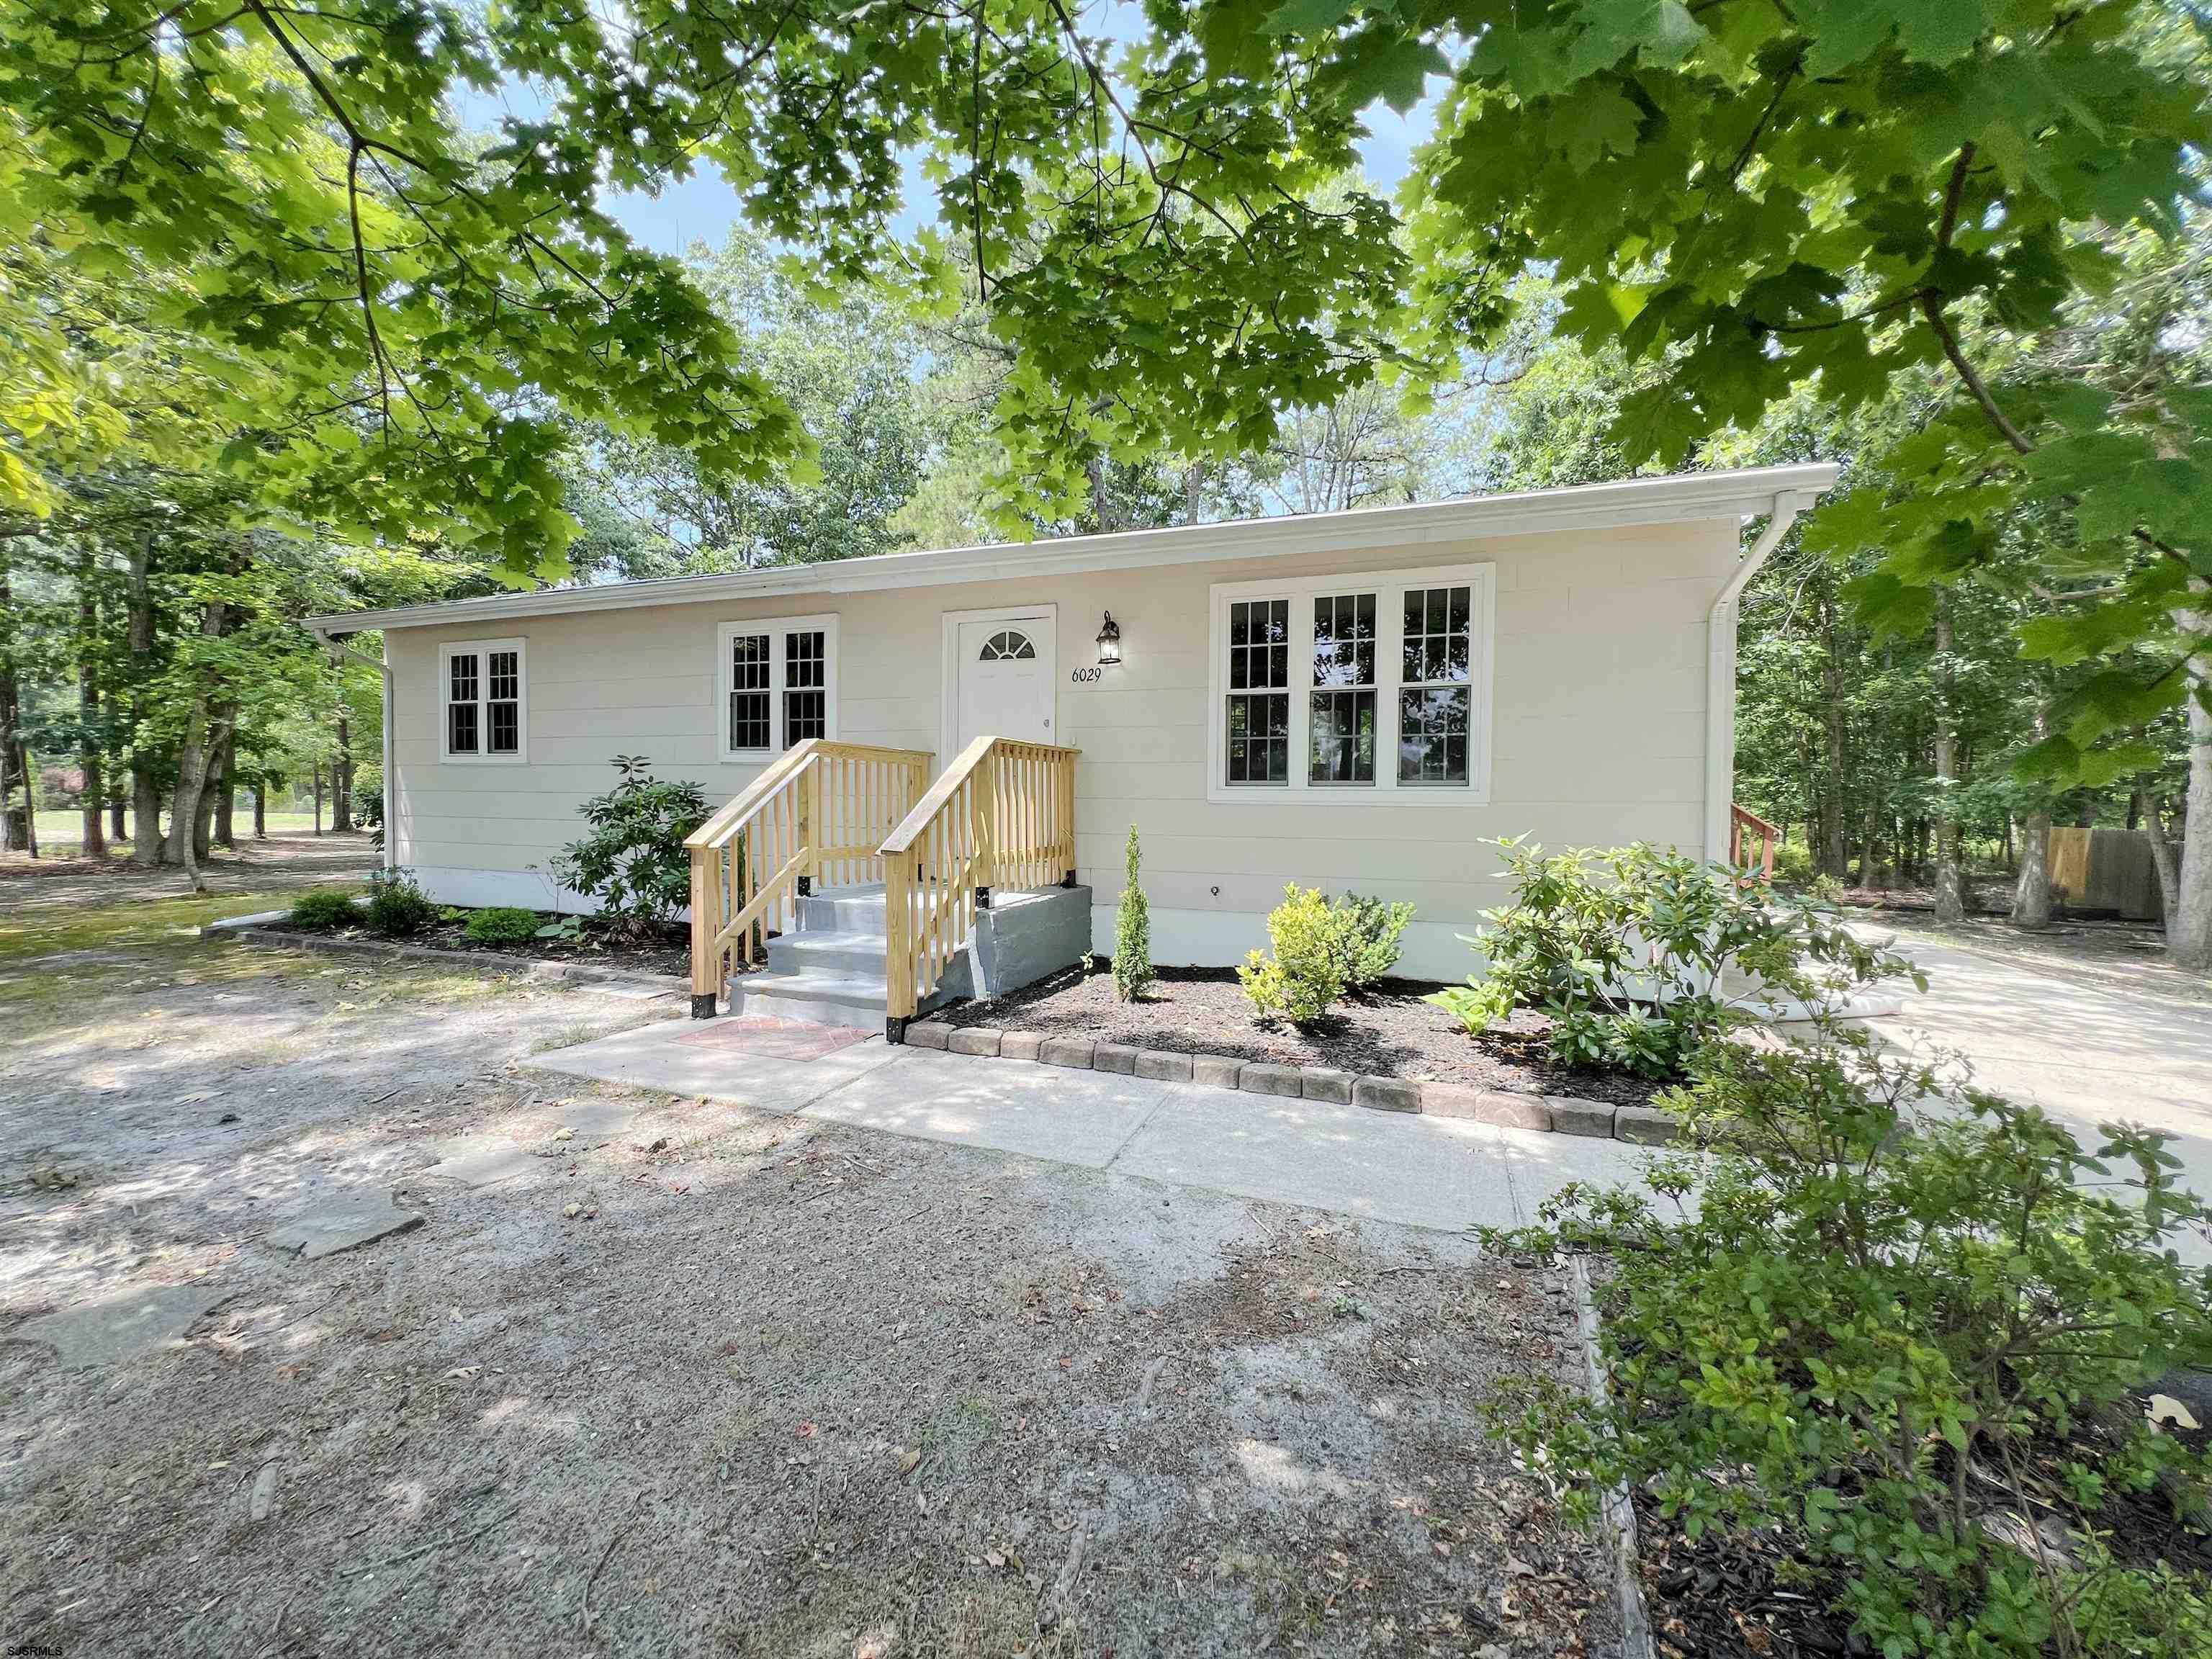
(1720,666)
(1681,498)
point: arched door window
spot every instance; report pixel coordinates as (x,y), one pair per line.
(1008,645)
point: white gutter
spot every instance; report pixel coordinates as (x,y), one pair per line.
(384,667)
(1720,668)
(1682,498)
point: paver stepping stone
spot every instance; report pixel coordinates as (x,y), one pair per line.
(120,1328)
(482,1160)
(343,1220)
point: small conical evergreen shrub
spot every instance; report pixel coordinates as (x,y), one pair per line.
(1133,934)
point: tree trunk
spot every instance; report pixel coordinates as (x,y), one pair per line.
(145,790)
(192,768)
(1098,502)
(318,797)
(207,727)
(2165,856)
(1832,852)
(2031,893)
(225,795)
(1950,882)
(261,809)
(342,775)
(11,715)
(93,794)
(2189,929)
(116,829)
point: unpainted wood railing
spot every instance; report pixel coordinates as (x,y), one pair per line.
(816,813)
(1000,817)
(1743,828)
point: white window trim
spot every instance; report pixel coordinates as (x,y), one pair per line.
(777,626)
(1389,587)
(482,648)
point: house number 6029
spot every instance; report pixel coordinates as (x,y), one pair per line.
(1086,675)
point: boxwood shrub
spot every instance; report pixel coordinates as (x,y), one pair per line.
(325,909)
(503,924)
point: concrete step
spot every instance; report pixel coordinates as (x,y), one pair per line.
(829,951)
(824,998)
(843,910)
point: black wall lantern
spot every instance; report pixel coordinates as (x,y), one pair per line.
(1109,641)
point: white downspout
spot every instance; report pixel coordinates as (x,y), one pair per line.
(383,667)
(1720,673)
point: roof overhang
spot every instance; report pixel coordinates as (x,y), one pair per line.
(1746,493)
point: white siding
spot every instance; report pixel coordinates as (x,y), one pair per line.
(1597,731)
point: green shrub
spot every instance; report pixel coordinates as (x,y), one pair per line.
(1367,935)
(1640,957)
(368,795)
(397,907)
(633,861)
(1306,974)
(503,924)
(324,908)
(1792,863)
(1896,1330)
(1133,933)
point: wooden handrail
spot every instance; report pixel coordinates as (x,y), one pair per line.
(1001,817)
(1742,824)
(815,813)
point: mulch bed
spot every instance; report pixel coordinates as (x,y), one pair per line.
(1756,1596)
(1389,1032)
(667,951)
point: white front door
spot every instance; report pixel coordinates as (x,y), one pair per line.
(1003,681)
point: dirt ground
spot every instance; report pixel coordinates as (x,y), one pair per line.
(775,1387)
(1388,1031)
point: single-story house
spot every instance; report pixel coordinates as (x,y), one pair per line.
(1351,701)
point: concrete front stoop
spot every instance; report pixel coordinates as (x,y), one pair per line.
(828,970)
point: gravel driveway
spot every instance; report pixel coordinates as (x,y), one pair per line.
(651,1376)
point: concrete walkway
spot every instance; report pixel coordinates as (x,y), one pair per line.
(1420,1171)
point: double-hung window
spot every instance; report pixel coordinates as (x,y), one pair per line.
(482,701)
(1343,688)
(778,684)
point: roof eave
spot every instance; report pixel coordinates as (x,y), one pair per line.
(1675,499)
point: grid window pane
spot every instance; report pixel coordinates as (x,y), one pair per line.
(749,720)
(1340,746)
(807,679)
(461,728)
(1435,707)
(1259,738)
(1432,734)
(1343,640)
(1343,738)
(806,714)
(1259,711)
(752,707)
(506,676)
(1437,636)
(504,720)
(462,675)
(805,659)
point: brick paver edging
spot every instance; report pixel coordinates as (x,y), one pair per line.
(1556,1114)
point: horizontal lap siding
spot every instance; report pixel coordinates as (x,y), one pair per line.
(1597,720)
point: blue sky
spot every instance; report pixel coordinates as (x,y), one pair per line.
(703,207)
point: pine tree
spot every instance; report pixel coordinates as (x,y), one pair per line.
(1132,934)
